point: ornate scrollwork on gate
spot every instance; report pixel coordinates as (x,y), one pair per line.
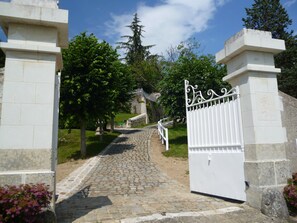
(196,97)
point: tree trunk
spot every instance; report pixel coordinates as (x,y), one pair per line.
(174,122)
(101,130)
(112,124)
(105,125)
(83,147)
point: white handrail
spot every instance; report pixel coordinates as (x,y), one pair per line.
(163,133)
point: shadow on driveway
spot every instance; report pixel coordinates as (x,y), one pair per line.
(79,205)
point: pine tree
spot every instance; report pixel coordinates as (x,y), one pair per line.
(270,15)
(135,51)
(144,66)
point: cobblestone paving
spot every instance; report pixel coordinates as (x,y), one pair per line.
(125,184)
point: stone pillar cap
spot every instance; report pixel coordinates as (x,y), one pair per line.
(40,3)
(33,15)
(249,40)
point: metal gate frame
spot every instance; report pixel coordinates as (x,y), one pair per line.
(215,142)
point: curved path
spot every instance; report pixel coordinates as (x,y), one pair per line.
(124,185)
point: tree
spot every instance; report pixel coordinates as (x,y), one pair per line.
(123,85)
(85,84)
(270,15)
(144,66)
(147,74)
(135,51)
(199,70)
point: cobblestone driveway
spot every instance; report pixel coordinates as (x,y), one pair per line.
(125,184)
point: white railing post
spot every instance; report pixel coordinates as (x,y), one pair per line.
(163,133)
(167,139)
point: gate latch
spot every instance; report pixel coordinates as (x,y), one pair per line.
(209,158)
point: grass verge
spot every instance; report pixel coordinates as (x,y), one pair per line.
(122,117)
(178,146)
(69,144)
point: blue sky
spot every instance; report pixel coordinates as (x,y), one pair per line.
(167,22)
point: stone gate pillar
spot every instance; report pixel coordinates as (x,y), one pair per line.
(35,29)
(249,56)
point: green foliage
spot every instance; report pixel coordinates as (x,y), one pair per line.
(121,117)
(144,66)
(84,84)
(135,51)
(178,146)
(23,203)
(287,61)
(290,194)
(95,85)
(122,87)
(270,15)
(86,74)
(147,74)
(69,144)
(154,111)
(199,70)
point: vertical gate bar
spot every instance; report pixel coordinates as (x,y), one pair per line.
(233,115)
(240,118)
(196,121)
(212,138)
(217,123)
(225,123)
(200,126)
(209,123)
(235,112)
(221,122)
(204,126)
(191,126)
(214,141)
(210,131)
(186,98)
(231,122)
(189,123)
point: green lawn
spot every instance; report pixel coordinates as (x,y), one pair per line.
(121,117)
(69,144)
(178,146)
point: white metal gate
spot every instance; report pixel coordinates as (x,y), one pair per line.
(215,142)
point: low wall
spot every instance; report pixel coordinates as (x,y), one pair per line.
(137,121)
(289,120)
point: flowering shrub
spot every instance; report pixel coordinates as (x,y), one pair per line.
(23,203)
(290,193)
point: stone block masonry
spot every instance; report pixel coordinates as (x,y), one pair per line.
(289,120)
(1,88)
(28,130)
(249,56)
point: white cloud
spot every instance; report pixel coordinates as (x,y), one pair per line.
(168,23)
(289,3)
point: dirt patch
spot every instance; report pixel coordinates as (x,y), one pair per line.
(64,169)
(175,168)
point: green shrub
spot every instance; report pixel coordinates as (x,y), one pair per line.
(290,194)
(23,203)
